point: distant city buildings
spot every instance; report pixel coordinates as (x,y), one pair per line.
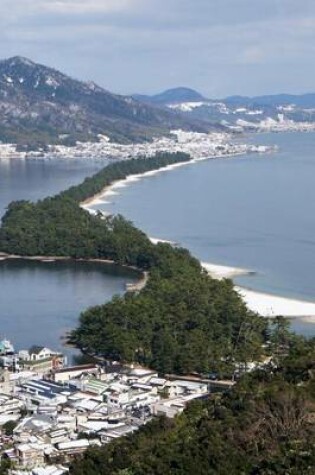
(197,145)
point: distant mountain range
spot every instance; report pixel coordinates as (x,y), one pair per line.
(235,110)
(303,100)
(39,106)
(184,94)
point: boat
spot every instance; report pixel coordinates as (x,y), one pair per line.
(6,347)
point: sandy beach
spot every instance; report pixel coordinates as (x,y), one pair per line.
(267,305)
(163,241)
(223,272)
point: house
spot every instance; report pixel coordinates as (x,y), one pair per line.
(44,470)
(32,427)
(10,405)
(169,410)
(40,393)
(75,447)
(5,385)
(183,387)
(64,375)
(115,433)
(41,359)
(6,347)
(30,455)
(141,375)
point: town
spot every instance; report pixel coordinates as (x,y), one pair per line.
(51,412)
(197,145)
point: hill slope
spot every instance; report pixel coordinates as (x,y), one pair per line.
(39,105)
(172,96)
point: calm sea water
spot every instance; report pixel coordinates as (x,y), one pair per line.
(255,212)
(39,302)
(35,179)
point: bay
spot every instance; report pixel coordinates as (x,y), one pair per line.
(36,179)
(39,302)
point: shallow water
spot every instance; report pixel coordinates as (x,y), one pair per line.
(35,179)
(40,302)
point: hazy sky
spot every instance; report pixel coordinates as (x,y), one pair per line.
(220,47)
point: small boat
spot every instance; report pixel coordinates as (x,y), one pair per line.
(6,347)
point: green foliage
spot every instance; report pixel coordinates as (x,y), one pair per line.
(59,227)
(183,321)
(9,427)
(5,466)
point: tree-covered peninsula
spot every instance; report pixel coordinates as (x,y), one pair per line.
(182,321)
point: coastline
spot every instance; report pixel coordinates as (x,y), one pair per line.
(267,305)
(220,272)
(110,190)
(49,259)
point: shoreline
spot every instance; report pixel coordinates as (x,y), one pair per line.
(266,305)
(218,271)
(109,190)
(271,305)
(50,259)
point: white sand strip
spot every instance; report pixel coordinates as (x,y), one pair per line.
(223,272)
(269,305)
(164,241)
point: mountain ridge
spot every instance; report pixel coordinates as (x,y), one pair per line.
(173,95)
(40,105)
(233,111)
(181,94)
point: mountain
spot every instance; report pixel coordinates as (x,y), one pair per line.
(237,111)
(172,96)
(39,105)
(302,100)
